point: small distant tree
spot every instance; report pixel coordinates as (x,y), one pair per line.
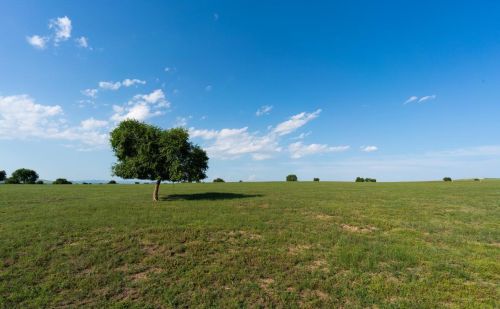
(219,180)
(24,175)
(477,179)
(148,152)
(370,180)
(360,179)
(291,177)
(39,182)
(447,179)
(3,175)
(112,182)
(316,179)
(61,181)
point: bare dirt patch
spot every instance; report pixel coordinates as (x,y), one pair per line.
(324,217)
(358,229)
(315,294)
(320,265)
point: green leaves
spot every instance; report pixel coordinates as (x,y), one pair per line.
(148,152)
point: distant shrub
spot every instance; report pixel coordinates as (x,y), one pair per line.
(219,180)
(359,179)
(11,181)
(370,180)
(447,179)
(39,182)
(291,177)
(316,179)
(112,182)
(61,181)
(240,181)
(477,179)
(137,183)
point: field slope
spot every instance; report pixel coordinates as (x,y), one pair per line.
(309,244)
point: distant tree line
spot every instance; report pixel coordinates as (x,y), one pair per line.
(361,179)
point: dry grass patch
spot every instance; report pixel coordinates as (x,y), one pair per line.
(298,249)
(358,229)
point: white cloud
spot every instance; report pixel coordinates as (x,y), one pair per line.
(91,123)
(369,148)
(233,143)
(264,110)
(420,100)
(22,118)
(92,93)
(157,96)
(37,41)
(110,85)
(295,122)
(142,107)
(130,82)
(427,98)
(298,150)
(83,42)
(411,99)
(62,28)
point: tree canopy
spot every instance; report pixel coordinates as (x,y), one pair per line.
(3,175)
(24,175)
(147,152)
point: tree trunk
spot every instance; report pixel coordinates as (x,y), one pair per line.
(157,189)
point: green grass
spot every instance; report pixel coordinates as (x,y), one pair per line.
(300,244)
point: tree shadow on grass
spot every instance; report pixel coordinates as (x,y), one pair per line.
(207,196)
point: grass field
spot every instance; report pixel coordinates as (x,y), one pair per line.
(300,244)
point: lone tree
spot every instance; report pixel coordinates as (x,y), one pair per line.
(148,152)
(291,178)
(3,175)
(24,175)
(447,179)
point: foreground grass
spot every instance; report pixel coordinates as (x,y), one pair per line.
(251,244)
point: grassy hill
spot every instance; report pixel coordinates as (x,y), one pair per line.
(299,244)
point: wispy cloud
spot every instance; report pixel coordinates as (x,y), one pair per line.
(295,122)
(264,110)
(416,99)
(411,99)
(427,98)
(110,85)
(298,150)
(92,93)
(83,42)
(369,148)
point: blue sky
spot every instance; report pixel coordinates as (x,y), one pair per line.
(392,90)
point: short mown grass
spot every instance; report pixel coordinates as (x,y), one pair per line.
(304,244)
